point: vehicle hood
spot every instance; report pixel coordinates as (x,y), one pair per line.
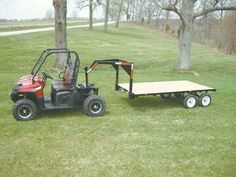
(27,80)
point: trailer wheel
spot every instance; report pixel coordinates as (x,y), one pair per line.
(24,109)
(205,100)
(190,101)
(165,95)
(94,105)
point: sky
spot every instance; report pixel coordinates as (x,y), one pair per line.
(30,9)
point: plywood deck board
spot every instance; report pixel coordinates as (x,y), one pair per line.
(164,87)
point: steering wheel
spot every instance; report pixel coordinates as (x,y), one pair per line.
(45,76)
(61,75)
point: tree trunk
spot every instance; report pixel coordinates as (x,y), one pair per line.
(90,14)
(157,22)
(185,36)
(127,12)
(118,18)
(60,9)
(106,15)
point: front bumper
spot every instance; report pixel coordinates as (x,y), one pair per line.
(14,92)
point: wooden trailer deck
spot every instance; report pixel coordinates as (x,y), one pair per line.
(192,93)
(152,88)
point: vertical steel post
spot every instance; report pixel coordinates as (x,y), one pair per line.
(86,76)
(117,77)
(131,95)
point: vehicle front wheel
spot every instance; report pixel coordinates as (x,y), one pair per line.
(94,105)
(24,109)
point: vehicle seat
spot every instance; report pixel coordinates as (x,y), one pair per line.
(67,83)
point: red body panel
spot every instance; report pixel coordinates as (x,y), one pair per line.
(27,85)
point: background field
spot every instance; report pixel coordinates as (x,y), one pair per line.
(146,136)
(32,24)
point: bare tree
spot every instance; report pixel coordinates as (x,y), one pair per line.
(149,9)
(128,9)
(143,11)
(157,15)
(222,3)
(60,9)
(91,4)
(75,14)
(187,14)
(49,14)
(140,10)
(106,15)
(120,8)
(90,14)
(226,34)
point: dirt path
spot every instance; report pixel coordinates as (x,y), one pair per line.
(11,33)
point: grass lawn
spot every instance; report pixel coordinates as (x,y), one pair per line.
(146,136)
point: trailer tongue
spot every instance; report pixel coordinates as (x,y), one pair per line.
(190,92)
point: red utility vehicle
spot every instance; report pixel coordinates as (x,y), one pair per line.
(28,92)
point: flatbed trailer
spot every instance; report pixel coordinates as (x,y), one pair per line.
(164,87)
(191,92)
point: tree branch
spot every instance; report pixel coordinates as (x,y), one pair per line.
(206,11)
(158,5)
(171,7)
(99,2)
(174,9)
(175,3)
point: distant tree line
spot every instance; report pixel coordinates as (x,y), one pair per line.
(218,27)
(187,20)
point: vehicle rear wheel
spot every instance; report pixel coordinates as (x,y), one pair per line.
(190,101)
(94,105)
(24,109)
(205,100)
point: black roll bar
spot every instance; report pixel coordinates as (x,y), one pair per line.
(47,52)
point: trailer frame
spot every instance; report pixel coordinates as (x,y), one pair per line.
(181,88)
(128,67)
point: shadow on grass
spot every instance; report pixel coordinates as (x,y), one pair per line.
(60,113)
(152,102)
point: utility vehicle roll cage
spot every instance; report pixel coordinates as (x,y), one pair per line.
(128,67)
(47,52)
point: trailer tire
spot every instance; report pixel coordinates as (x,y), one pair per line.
(190,101)
(204,100)
(94,105)
(24,110)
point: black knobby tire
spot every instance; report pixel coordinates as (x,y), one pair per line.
(94,105)
(205,100)
(190,101)
(24,109)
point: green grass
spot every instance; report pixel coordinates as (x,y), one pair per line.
(146,136)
